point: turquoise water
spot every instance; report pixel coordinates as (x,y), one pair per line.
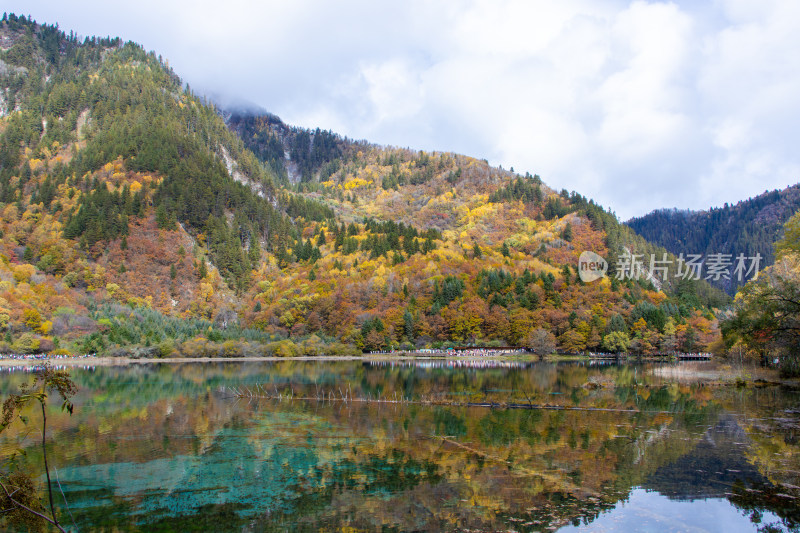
(608,448)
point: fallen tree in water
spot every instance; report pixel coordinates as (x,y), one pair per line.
(346,396)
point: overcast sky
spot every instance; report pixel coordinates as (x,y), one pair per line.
(639,105)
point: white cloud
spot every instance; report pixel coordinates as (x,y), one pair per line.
(393,89)
(639,105)
(749,83)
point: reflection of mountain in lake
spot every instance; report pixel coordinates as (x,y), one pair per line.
(157,447)
(711,469)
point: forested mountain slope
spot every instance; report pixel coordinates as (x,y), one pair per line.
(501,232)
(749,227)
(132,216)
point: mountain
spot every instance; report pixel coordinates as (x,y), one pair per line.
(749,227)
(136,217)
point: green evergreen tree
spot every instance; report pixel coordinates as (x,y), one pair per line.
(567,233)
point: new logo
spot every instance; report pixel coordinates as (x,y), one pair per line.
(591,267)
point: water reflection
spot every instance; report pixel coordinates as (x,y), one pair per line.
(650,511)
(16,369)
(166,447)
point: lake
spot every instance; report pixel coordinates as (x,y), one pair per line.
(173,447)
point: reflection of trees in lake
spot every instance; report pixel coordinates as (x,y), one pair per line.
(371,465)
(755,500)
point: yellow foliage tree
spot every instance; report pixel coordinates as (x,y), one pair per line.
(32,318)
(5,314)
(206,291)
(26,343)
(23,273)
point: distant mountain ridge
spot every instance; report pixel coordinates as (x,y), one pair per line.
(294,154)
(748,227)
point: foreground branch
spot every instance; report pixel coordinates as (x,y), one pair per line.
(25,507)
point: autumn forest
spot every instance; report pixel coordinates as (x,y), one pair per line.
(138,218)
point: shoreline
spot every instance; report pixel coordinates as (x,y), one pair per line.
(715,372)
(72,360)
(123,361)
(66,360)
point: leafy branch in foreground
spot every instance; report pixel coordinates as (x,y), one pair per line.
(766,314)
(767,317)
(19,502)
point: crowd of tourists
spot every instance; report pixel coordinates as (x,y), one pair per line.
(449,363)
(452,352)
